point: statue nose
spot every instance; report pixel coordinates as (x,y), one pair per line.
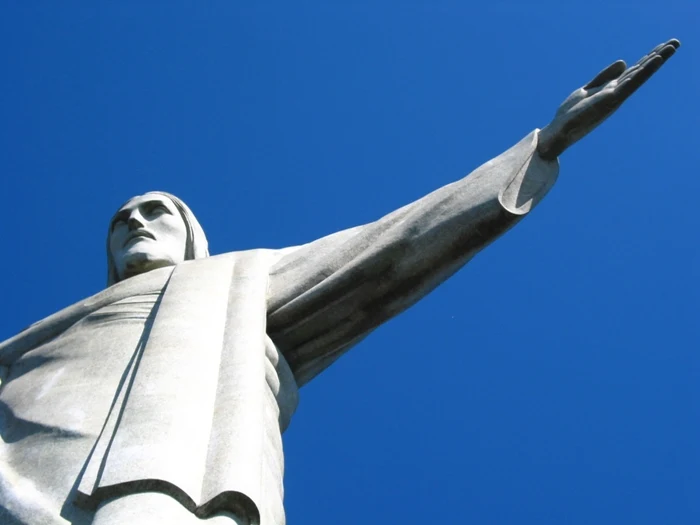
(134,223)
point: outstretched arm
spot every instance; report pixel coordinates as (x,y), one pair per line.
(327,295)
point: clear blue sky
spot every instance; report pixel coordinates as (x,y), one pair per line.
(553,380)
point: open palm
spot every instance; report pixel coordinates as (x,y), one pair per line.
(590,105)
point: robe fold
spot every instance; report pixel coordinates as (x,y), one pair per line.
(181,381)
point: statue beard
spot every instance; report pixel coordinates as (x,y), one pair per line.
(142,262)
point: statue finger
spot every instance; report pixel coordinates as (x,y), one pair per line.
(610,73)
(665,51)
(630,71)
(674,42)
(650,54)
(632,83)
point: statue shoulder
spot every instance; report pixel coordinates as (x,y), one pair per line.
(55,324)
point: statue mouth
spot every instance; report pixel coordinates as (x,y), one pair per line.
(137,235)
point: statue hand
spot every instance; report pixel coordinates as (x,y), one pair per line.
(590,105)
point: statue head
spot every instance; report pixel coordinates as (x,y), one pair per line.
(151,231)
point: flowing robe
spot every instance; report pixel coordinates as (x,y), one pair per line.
(163,398)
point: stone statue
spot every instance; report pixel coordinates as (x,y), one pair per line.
(163,398)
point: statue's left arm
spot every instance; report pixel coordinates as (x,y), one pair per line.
(327,295)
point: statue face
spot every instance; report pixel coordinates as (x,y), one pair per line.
(147,233)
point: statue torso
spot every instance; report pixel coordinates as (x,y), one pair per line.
(57,396)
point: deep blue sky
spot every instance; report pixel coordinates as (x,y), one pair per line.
(554,380)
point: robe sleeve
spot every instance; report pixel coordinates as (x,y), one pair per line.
(327,295)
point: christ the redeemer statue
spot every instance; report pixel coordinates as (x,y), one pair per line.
(163,398)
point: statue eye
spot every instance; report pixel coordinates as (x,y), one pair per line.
(117,222)
(158,209)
